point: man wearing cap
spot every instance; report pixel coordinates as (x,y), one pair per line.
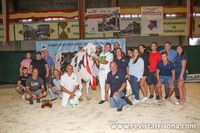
(41,65)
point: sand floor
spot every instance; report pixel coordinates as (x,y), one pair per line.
(17,116)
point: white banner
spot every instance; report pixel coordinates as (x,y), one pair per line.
(193,78)
(74,45)
(102,20)
(152,20)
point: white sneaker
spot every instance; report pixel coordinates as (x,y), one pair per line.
(144,99)
(136,102)
(133,98)
(177,103)
(73,105)
(69,106)
(23,97)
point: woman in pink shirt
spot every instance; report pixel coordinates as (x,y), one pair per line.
(25,63)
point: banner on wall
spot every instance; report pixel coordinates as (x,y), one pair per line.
(197,26)
(102,20)
(74,45)
(171,27)
(152,20)
(40,31)
(129,28)
(70,30)
(11,33)
(53,30)
(174,27)
(19,36)
(64,31)
(96,35)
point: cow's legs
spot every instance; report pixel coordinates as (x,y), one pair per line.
(87,90)
(80,88)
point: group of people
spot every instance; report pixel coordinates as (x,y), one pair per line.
(115,69)
(140,66)
(36,75)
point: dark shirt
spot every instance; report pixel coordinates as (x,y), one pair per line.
(23,79)
(128,57)
(122,64)
(53,80)
(34,84)
(115,81)
(145,57)
(165,70)
(178,65)
(114,55)
(178,62)
(40,65)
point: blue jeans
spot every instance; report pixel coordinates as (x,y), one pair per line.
(53,96)
(135,86)
(117,101)
(167,78)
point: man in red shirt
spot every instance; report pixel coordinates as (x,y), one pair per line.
(154,57)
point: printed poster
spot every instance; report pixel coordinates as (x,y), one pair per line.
(102,20)
(152,20)
(70,30)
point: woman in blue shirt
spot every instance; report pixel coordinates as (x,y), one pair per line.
(180,63)
(136,70)
(121,61)
(122,64)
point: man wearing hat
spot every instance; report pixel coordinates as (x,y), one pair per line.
(41,65)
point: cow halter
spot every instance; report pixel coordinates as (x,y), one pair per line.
(90,53)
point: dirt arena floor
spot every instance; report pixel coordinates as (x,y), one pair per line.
(17,116)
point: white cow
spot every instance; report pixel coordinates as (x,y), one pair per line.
(83,63)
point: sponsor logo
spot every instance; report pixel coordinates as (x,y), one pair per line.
(152,25)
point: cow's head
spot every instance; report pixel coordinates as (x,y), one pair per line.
(98,50)
(90,48)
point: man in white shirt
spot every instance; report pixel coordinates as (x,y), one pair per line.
(70,87)
(104,67)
